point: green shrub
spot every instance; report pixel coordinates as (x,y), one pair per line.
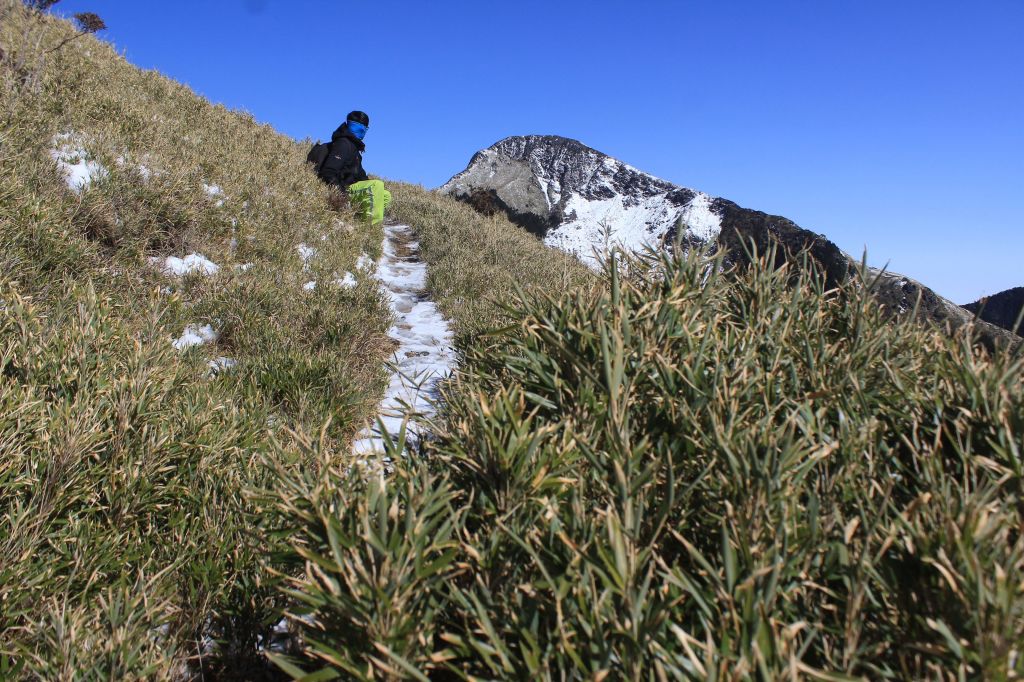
(376,555)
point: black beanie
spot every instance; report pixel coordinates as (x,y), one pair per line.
(358,117)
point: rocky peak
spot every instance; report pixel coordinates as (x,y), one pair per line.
(551,184)
(566,165)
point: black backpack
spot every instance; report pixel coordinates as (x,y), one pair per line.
(318,153)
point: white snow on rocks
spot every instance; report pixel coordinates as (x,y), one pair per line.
(179,267)
(595,202)
(195,335)
(75,163)
(424,356)
(364,262)
(309,286)
(594,225)
(700,220)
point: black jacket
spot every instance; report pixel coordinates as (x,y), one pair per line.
(344,164)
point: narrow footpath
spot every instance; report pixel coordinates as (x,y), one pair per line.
(424,356)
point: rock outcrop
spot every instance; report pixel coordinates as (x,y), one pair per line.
(1002,309)
(582,201)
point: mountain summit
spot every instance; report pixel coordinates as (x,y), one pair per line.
(575,197)
(582,201)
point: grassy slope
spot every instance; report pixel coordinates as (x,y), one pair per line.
(122,462)
(129,476)
(477,263)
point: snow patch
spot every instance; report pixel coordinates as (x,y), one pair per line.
(195,336)
(348,281)
(306,253)
(75,163)
(309,286)
(220,365)
(594,226)
(179,267)
(214,192)
(364,262)
(144,171)
(700,220)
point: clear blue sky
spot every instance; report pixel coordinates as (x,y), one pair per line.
(896,126)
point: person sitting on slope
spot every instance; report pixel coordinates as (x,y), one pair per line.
(344,169)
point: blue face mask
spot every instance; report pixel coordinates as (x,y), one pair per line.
(357,129)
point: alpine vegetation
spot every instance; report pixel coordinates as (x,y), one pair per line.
(693,473)
(163,355)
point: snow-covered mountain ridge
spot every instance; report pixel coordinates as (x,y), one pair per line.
(582,201)
(577,198)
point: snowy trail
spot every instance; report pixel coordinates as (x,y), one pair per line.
(424,355)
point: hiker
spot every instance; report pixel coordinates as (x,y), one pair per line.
(343,167)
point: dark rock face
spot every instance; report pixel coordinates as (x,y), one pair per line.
(742,227)
(578,199)
(1002,309)
(488,202)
